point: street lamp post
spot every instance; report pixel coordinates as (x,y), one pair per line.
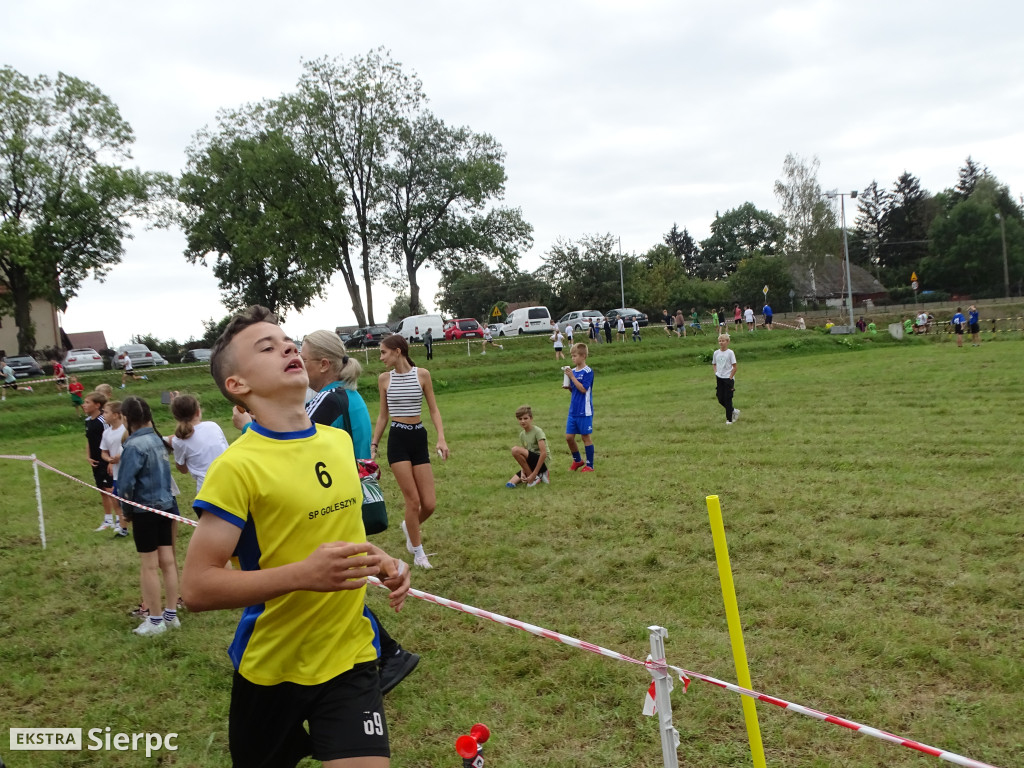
(1006,264)
(846,248)
(622,285)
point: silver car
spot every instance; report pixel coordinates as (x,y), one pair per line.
(84,359)
(140,354)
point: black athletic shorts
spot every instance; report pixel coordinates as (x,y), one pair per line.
(102,478)
(150,530)
(408,442)
(974,327)
(531,461)
(345,715)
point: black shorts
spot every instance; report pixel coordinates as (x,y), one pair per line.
(150,530)
(958,329)
(531,461)
(345,715)
(974,327)
(408,442)
(101,477)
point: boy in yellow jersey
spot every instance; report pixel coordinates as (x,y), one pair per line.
(286,499)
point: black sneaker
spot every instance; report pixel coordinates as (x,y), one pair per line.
(394,668)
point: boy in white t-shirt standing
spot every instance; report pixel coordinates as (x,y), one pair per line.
(724,363)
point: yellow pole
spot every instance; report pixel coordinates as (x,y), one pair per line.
(732,614)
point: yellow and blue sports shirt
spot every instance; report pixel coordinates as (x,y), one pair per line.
(289,492)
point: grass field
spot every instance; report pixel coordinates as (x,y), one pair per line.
(872,498)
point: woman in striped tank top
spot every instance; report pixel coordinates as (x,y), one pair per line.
(402,390)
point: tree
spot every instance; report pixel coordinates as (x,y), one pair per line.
(346,117)
(584,274)
(969,176)
(966,252)
(402,307)
(738,234)
(905,223)
(685,249)
(810,220)
(436,186)
(252,204)
(64,198)
(868,231)
(474,289)
(658,279)
(746,284)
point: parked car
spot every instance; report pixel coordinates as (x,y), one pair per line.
(84,359)
(345,337)
(159,359)
(627,314)
(369,336)
(197,356)
(527,320)
(464,328)
(141,355)
(414,326)
(24,366)
(495,329)
(580,319)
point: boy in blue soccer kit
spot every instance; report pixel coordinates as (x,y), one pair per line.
(286,499)
(581,408)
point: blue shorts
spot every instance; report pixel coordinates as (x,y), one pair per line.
(579,425)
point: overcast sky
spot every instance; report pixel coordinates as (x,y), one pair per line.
(616,116)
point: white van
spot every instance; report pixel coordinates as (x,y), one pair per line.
(528,320)
(413,327)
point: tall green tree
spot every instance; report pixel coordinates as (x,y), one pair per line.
(346,117)
(437,186)
(584,273)
(738,234)
(868,231)
(905,223)
(473,289)
(685,248)
(65,199)
(811,222)
(746,284)
(252,205)
(966,248)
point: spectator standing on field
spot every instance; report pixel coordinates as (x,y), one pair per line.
(972,322)
(767,316)
(724,364)
(608,330)
(620,328)
(59,377)
(428,343)
(110,451)
(556,337)
(636,330)
(581,408)
(959,321)
(737,314)
(748,318)
(75,391)
(94,426)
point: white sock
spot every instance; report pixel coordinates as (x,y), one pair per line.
(108,519)
(418,551)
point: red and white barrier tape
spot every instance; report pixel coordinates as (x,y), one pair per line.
(685,675)
(163,512)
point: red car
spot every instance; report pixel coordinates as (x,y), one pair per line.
(466,328)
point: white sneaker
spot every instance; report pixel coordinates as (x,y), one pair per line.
(728,423)
(422,562)
(174,623)
(535,481)
(408,541)
(147,627)
(483,352)
(544,477)
(735,414)
(106,526)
